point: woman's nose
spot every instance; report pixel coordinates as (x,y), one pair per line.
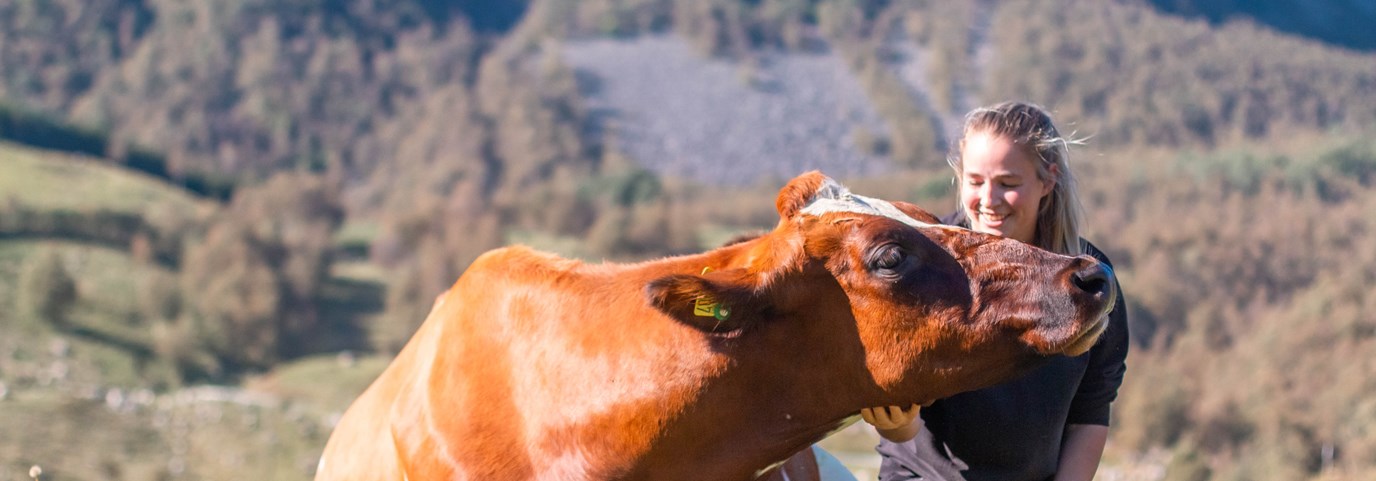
(987,196)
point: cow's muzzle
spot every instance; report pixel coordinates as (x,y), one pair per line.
(1094,282)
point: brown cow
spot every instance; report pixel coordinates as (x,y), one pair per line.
(714,366)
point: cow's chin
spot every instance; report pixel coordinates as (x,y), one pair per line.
(1072,343)
(1088,337)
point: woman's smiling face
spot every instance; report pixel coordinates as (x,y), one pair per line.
(999,187)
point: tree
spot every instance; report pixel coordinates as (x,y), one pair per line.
(236,298)
(46,290)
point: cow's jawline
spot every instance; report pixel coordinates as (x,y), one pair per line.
(836,427)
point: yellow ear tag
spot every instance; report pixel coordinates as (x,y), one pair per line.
(705,307)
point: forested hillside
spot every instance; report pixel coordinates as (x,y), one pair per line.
(1341,22)
(265,197)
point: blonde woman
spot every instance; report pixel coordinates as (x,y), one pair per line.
(1011,165)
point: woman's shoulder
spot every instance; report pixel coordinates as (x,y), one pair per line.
(954,218)
(1093,251)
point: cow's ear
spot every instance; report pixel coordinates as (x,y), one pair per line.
(800,191)
(722,302)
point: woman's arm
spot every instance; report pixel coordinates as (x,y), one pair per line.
(1087,424)
(1080,452)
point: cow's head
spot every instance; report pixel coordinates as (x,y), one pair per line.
(931,310)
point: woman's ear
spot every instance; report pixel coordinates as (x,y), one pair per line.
(1053,174)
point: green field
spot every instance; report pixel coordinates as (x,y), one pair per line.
(88,400)
(106,309)
(53,180)
(118,434)
(105,320)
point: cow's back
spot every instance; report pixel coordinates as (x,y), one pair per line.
(508,371)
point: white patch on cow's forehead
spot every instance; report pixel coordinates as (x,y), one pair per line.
(834,197)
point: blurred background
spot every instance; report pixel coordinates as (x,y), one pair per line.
(220,218)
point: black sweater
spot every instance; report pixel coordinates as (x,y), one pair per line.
(1013,431)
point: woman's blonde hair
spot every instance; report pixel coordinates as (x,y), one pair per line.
(1060,216)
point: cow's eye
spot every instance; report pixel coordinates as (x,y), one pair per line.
(887,258)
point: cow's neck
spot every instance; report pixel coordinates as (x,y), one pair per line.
(780,392)
(743,423)
(775,426)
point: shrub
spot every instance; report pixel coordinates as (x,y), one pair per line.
(46,290)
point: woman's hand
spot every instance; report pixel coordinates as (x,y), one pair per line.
(893,423)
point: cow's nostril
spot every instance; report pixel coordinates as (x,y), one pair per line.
(1092,279)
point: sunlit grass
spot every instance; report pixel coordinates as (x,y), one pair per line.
(107,279)
(107,282)
(328,382)
(52,180)
(225,435)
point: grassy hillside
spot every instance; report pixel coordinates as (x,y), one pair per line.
(92,348)
(194,433)
(91,396)
(50,180)
(105,339)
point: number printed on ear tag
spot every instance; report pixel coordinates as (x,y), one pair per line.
(704,306)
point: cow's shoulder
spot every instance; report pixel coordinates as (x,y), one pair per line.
(520,261)
(511,277)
